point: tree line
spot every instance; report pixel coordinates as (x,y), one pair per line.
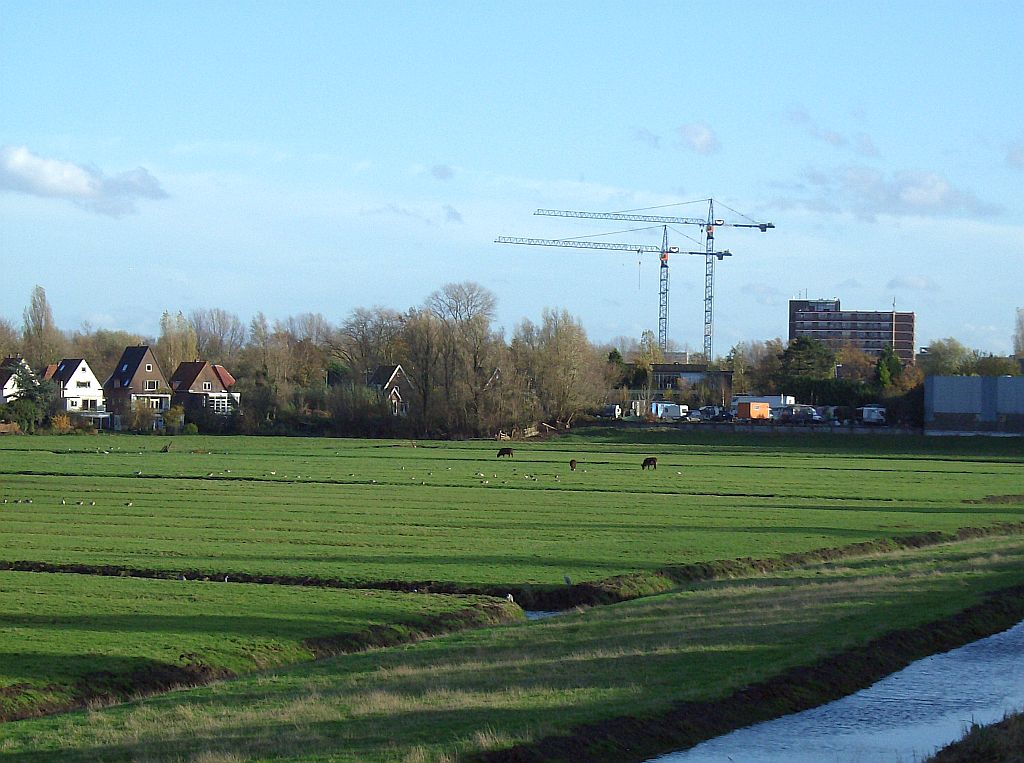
(305,374)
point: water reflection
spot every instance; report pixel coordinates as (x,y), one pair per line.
(902,718)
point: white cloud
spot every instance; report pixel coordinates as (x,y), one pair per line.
(25,172)
(442,172)
(913,283)
(644,135)
(699,137)
(849,283)
(861,142)
(762,294)
(868,192)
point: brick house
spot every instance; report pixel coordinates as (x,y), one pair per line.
(137,381)
(201,385)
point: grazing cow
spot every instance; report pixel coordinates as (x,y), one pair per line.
(572,465)
(651,462)
(505,452)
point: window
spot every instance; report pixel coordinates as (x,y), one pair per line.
(74,403)
(83,385)
(124,368)
(207,386)
(151,385)
(149,368)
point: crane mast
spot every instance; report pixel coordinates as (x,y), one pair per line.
(707,226)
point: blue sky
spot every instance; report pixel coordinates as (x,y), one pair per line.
(317,157)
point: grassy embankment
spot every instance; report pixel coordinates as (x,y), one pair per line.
(440,516)
(616,683)
(1001,742)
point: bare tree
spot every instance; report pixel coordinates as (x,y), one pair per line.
(41,341)
(367,339)
(10,342)
(466,311)
(1018,334)
(177,342)
(102,348)
(421,331)
(220,335)
(568,372)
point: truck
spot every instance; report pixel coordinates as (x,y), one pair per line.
(872,414)
(774,401)
(671,411)
(799,414)
(753,410)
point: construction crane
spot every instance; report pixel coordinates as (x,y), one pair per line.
(707,226)
(663,251)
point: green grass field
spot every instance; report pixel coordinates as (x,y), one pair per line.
(365,511)
(402,514)
(455,696)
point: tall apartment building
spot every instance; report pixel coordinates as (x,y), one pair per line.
(871,331)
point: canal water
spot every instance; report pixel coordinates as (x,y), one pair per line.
(903,718)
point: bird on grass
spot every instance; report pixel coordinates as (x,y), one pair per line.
(129,503)
(567,579)
(510,599)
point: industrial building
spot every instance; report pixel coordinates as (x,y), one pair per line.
(974,405)
(868,330)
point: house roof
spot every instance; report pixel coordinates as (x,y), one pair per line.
(225,377)
(185,374)
(64,371)
(129,363)
(9,367)
(383,375)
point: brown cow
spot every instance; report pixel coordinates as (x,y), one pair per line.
(572,464)
(505,452)
(650,461)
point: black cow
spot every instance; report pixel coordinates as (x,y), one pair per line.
(505,452)
(651,462)
(572,464)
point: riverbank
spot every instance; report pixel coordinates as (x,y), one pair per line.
(598,684)
(1001,742)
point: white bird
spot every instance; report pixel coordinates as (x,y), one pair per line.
(510,599)
(63,502)
(129,503)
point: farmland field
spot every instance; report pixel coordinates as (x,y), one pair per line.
(366,511)
(339,520)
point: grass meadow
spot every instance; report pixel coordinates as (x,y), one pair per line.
(456,696)
(369,515)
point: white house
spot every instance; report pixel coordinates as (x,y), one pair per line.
(8,379)
(80,390)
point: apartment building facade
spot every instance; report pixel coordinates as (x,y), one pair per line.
(868,330)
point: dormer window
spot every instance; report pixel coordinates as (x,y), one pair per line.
(124,368)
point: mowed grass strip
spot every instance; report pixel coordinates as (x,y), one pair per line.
(460,695)
(363,512)
(69,638)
